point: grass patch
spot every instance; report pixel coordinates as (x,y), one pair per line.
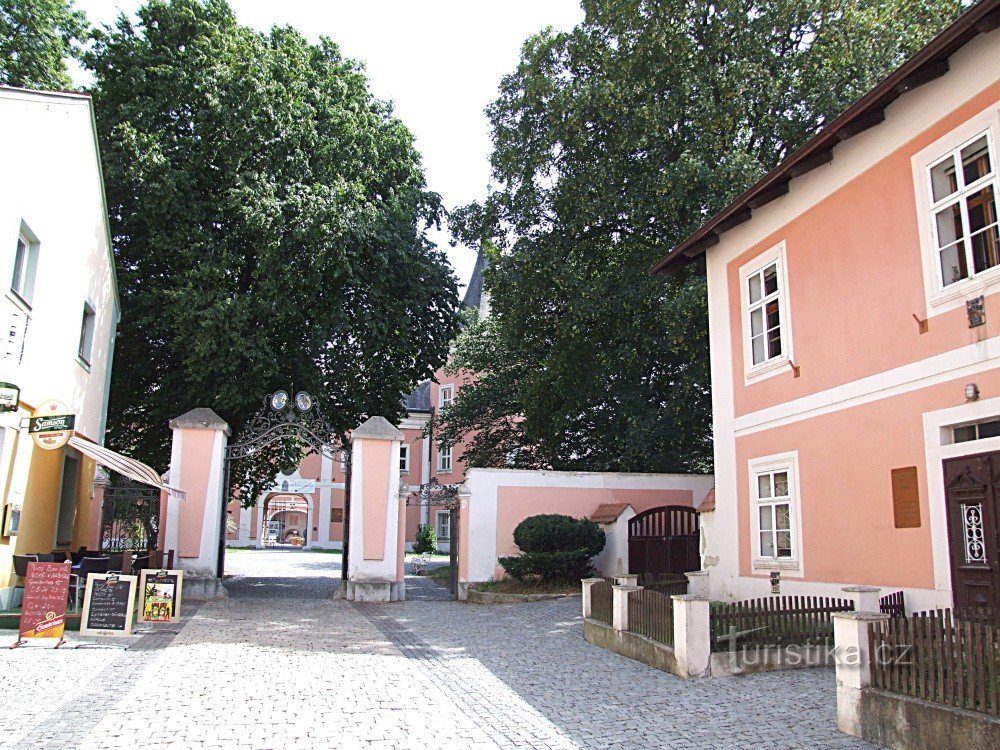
(442,573)
(510,586)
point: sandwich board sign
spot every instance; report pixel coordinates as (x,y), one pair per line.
(108,605)
(161,595)
(43,611)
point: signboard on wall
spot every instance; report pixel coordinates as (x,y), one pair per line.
(10,397)
(294,484)
(108,604)
(161,595)
(51,425)
(43,611)
(905,498)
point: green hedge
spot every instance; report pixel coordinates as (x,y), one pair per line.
(555,548)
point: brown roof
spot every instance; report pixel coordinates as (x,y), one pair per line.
(608,512)
(929,63)
(708,503)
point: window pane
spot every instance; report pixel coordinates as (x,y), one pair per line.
(766,518)
(989,429)
(758,349)
(770,280)
(983,226)
(953,265)
(773,319)
(982,209)
(19,260)
(757,321)
(781,484)
(784,544)
(782,517)
(774,343)
(766,544)
(964,434)
(754,291)
(943,182)
(764,486)
(949,225)
(986,249)
(976,161)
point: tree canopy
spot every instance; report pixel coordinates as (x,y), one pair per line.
(612,142)
(36,38)
(268,218)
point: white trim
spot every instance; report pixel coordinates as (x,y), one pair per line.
(450,389)
(752,373)
(963,362)
(404,458)
(437,525)
(937,297)
(792,566)
(445,452)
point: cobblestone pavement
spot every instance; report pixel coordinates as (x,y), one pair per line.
(283,664)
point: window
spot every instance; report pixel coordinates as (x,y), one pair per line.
(446,396)
(67,501)
(404,459)
(767,339)
(87,332)
(443,525)
(444,458)
(775,512)
(978,431)
(963,203)
(22,281)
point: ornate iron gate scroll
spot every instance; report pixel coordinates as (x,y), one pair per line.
(443,496)
(282,418)
(130,517)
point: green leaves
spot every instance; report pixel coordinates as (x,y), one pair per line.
(612,142)
(268,218)
(36,37)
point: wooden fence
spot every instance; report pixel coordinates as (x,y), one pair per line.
(940,656)
(651,614)
(775,621)
(600,601)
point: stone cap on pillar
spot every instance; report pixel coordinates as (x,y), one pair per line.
(377,428)
(201,418)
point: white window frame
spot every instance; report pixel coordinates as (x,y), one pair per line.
(443,401)
(776,255)
(404,458)
(446,515)
(86,347)
(444,460)
(23,291)
(767,464)
(938,297)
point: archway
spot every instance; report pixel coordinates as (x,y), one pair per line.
(286,520)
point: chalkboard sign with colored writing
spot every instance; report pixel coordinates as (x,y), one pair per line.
(108,605)
(161,595)
(43,611)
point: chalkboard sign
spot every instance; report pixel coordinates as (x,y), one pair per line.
(161,595)
(108,605)
(43,611)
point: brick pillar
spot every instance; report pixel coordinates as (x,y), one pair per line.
(692,637)
(854,665)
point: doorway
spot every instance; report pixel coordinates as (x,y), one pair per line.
(973,512)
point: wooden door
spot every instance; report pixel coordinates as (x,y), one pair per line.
(973,504)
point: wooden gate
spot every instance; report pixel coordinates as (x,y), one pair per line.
(663,542)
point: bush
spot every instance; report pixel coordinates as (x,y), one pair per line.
(426,539)
(556,548)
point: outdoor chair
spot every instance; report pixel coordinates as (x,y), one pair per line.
(21,567)
(45,557)
(88,565)
(59,556)
(77,556)
(139,563)
(116,561)
(421,563)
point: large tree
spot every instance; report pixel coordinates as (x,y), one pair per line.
(36,38)
(612,142)
(268,220)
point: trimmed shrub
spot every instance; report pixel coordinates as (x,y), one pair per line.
(556,548)
(426,539)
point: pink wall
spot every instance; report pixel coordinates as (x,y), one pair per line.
(375,458)
(853,291)
(458,467)
(196,457)
(514,504)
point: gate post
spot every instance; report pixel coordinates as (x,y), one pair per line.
(374,557)
(194,525)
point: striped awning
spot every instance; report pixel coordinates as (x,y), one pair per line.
(124,465)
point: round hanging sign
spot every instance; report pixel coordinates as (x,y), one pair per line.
(51,425)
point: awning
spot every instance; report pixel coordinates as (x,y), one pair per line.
(124,465)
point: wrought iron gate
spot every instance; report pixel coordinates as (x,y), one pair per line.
(443,497)
(663,542)
(130,517)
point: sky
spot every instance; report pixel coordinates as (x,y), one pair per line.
(439,61)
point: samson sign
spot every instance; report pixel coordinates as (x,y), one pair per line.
(43,612)
(51,425)
(10,396)
(108,605)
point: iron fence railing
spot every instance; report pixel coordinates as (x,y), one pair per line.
(651,614)
(774,621)
(600,602)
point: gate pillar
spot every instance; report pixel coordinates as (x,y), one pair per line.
(193,526)
(375,551)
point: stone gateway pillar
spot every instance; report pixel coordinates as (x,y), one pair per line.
(375,557)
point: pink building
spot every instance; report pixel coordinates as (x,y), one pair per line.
(316,489)
(854,318)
